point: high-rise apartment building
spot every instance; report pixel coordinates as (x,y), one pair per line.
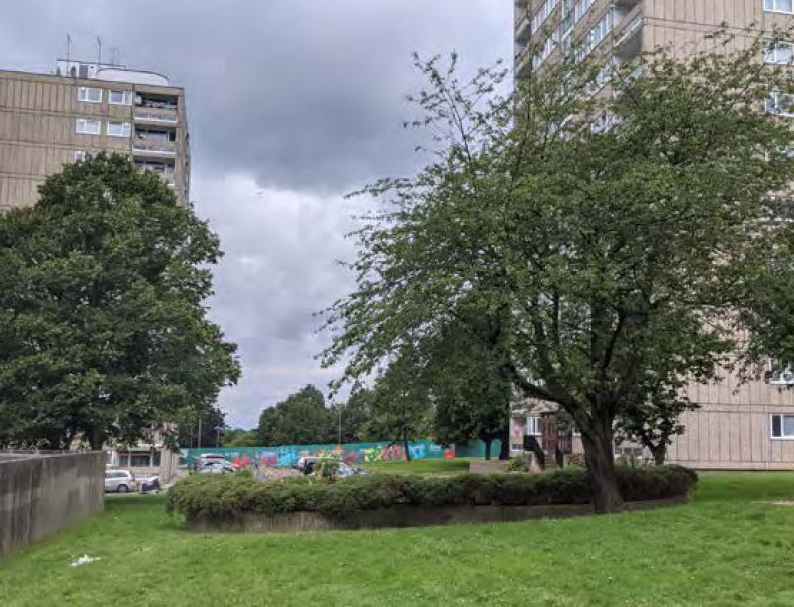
(48,120)
(623,29)
(739,425)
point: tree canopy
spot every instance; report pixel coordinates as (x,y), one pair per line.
(301,419)
(103,329)
(616,237)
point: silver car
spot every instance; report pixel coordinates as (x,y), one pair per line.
(120,481)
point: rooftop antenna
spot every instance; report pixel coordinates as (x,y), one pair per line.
(99,47)
(114,56)
(68,47)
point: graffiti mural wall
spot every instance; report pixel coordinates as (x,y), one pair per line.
(286,456)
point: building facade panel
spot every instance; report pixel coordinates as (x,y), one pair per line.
(47,121)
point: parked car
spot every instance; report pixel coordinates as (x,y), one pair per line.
(150,483)
(217,467)
(346,470)
(120,481)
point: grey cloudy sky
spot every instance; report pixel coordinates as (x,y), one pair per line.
(291,103)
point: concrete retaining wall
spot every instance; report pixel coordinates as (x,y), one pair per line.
(41,494)
(400,516)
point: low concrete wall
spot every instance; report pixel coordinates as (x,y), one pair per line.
(401,516)
(488,466)
(40,494)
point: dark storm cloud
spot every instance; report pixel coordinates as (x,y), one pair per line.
(291,103)
(303,94)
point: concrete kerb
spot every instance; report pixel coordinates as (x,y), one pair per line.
(401,516)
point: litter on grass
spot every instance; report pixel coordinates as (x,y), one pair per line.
(84,560)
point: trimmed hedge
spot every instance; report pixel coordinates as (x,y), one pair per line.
(211,495)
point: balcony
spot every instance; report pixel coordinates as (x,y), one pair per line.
(154,148)
(628,33)
(156,116)
(523,63)
(522,30)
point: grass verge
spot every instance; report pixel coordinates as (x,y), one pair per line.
(728,547)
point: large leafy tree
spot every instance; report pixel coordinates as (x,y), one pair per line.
(466,376)
(401,401)
(103,330)
(238,437)
(608,232)
(355,417)
(301,419)
(205,428)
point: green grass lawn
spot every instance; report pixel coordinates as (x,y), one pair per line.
(727,547)
(422,466)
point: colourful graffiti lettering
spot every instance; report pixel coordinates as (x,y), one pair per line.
(287,456)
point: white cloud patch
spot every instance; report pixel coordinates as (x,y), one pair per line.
(279,269)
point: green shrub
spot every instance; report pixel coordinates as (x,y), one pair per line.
(518,464)
(575,460)
(210,495)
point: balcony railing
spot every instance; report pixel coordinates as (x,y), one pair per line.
(163,118)
(522,30)
(523,61)
(160,148)
(634,26)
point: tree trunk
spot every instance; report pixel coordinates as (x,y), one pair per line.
(659,453)
(599,454)
(487,448)
(96,439)
(504,451)
(406,444)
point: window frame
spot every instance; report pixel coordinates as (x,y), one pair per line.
(85,98)
(85,121)
(772,48)
(534,426)
(771,6)
(773,102)
(126,97)
(783,436)
(126,129)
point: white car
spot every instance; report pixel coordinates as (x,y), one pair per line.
(218,468)
(120,481)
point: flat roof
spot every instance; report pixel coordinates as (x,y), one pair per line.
(88,81)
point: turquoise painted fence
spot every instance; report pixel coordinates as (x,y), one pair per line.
(286,456)
(477,449)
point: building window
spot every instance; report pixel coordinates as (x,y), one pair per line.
(780,374)
(121,97)
(783,426)
(779,53)
(779,6)
(601,30)
(543,13)
(580,9)
(140,460)
(89,95)
(81,155)
(548,48)
(534,426)
(88,126)
(119,129)
(780,104)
